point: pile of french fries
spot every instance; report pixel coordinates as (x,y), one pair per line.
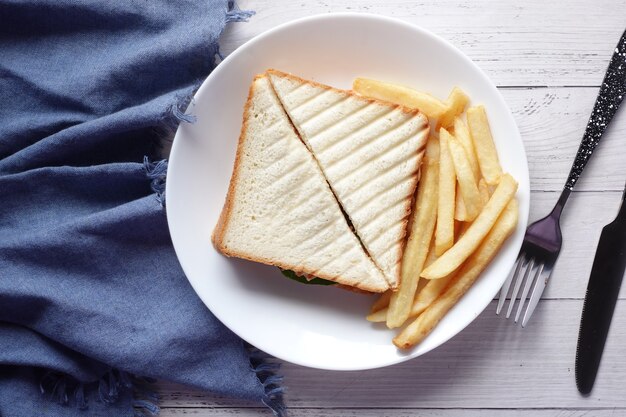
(464,211)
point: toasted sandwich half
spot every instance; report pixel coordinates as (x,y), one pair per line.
(280,210)
(369,151)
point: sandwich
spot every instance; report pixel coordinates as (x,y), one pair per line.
(323,182)
(279,209)
(369,152)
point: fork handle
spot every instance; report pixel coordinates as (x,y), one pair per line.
(609,99)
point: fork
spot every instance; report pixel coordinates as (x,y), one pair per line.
(542,241)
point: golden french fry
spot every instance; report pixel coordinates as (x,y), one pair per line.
(483,142)
(424,216)
(462,133)
(431,290)
(423,325)
(432,257)
(485,193)
(460,213)
(444,235)
(429,294)
(379,316)
(381,302)
(432,107)
(432,146)
(456,101)
(463,248)
(465,177)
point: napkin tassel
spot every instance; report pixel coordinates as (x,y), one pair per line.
(156,173)
(235,14)
(58,387)
(271,381)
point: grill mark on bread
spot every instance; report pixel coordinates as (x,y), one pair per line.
(411,176)
(371,200)
(293,90)
(389,145)
(399,202)
(333,123)
(338,140)
(308,100)
(289,206)
(276,142)
(333,260)
(318,113)
(330,262)
(373,240)
(364,180)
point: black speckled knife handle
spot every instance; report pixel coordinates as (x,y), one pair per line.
(609,98)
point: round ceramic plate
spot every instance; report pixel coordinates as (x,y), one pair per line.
(317,326)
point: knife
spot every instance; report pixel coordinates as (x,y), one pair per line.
(602,291)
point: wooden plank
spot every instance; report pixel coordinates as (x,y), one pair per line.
(491,364)
(388,412)
(536,42)
(552,122)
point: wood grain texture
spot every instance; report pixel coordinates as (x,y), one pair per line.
(551,122)
(390,412)
(530,43)
(548,58)
(491,364)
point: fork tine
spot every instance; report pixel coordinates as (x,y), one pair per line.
(527,285)
(518,284)
(540,285)
(507,284)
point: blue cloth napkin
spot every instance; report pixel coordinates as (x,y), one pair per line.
(93,301)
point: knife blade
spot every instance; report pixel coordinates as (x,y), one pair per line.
(602,291)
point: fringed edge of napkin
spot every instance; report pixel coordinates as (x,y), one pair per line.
(66,390)
(266,370)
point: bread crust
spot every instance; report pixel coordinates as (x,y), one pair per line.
(217,237)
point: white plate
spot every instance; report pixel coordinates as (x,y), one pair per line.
(316,326)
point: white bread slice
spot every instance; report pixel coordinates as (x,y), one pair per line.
(370,152)
(280,210)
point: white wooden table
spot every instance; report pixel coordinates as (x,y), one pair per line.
(548,59)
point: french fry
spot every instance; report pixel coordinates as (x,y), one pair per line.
(420,236)
(431,290)
(475,265)
(483,142)
(380,316)
(432,146)
(465,177)
(432,107)
(462,133)
(460,213)
(429,294)
(457,101)
(485,193)
(463,248)
(381,302)
(444,235)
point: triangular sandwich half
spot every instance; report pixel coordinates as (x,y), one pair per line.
(280,210)
(370,152)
